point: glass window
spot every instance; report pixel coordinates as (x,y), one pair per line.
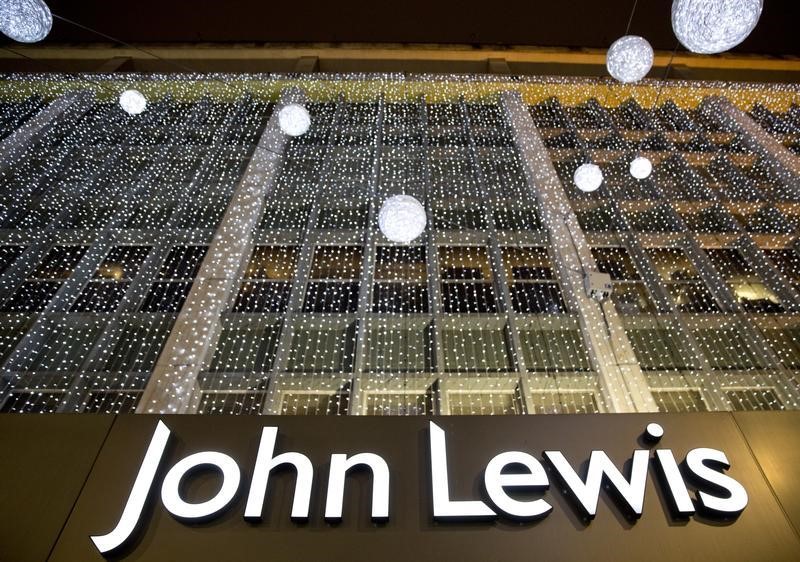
(466,280)
(334,279)
(659,349)
(137,348)
(749,291)
(532,281)
(64,348)
(726,349)
(554,350)
(174,280)
(485,403)
(111,280)
(679,401)
(45,281)
(23,402)
(236,403)
(565,402)
(788,262)
(754,399)
(683,280)
(324,350)
(472,349)
(630,295)
(268,280)
(8,254)
(316,403)
(400,280)
(111,402)
(245,348)
(401,403)
(785,343)
(396,349)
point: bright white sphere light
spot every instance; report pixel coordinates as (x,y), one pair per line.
(26,21)
(402,218)
(132,101)
(588,177)
(629,58)
(641,168)
(714,26)
(294,119)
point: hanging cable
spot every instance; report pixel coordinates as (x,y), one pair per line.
(124,43)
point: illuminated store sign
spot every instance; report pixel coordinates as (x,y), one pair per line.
(717,494)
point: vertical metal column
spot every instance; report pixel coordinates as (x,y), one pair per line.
(307,243)
(368,265)
(431,249)
(14,146)
(723,112)
(172,383)
(621,380)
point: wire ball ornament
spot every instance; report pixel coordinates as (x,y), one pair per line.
(294,119)
(629,58)
(641,168)
(588,177)
(133,102)
(402,218)
(714,26)
(25,21)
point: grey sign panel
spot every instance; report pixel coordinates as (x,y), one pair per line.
(762,531)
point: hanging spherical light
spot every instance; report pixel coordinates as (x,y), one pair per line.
(588,177)
(294,119)
(26,21)
(629,58)
(714,26)
(132,101)
(641,168)
(402,218)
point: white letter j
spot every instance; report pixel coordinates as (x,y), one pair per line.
(141,488)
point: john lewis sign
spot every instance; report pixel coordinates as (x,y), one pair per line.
(247,488)
(717,494)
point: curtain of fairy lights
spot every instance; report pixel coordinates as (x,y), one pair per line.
(107,218)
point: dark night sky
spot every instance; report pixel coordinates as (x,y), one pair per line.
(562,23)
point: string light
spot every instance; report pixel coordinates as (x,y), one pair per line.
(472,317)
